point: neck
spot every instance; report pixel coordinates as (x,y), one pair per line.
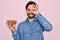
(30,20)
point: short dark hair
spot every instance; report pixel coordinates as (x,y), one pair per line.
(30,3)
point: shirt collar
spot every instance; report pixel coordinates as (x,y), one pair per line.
(32,21)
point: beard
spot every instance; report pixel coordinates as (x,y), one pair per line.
(31,15)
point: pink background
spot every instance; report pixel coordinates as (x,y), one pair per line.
(15,9)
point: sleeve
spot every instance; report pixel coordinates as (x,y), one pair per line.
(18,35)
(46,26)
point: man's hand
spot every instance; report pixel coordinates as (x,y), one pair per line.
(11,25)
(37,8)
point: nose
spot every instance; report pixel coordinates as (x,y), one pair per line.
(30,11)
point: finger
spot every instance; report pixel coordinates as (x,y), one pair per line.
(35,6)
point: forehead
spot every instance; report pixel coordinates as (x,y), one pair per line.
(31,7)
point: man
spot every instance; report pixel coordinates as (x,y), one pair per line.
(33,27)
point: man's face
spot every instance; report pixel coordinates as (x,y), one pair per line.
(31,11)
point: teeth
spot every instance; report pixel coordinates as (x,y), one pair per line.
(30,15)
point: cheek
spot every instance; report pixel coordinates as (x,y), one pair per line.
(27,11)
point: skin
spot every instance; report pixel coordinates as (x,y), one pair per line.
(30,9)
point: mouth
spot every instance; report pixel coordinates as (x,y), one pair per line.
(31,15)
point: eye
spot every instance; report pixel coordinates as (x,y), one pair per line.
(33,10)
(28,9)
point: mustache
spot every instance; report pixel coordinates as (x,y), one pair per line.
(30,13)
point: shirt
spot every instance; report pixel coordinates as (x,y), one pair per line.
(32,30)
